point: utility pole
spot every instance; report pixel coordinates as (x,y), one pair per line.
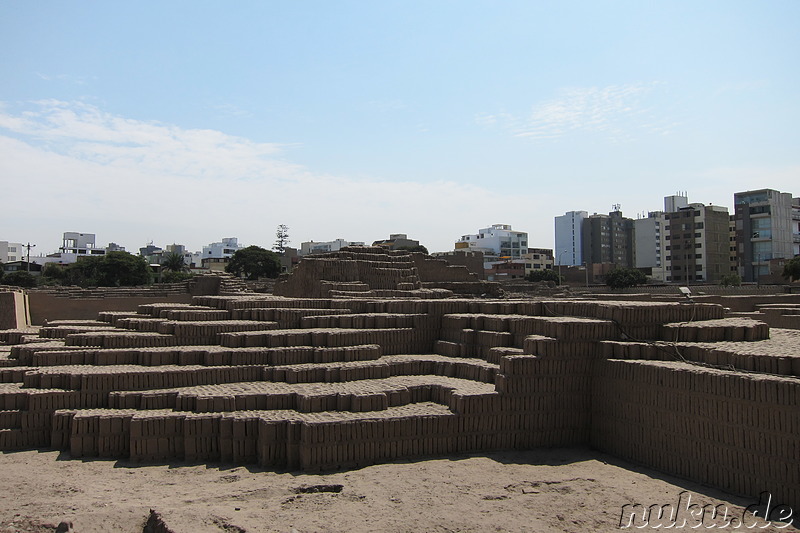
(28,262)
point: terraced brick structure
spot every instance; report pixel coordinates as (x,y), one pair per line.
(368,365)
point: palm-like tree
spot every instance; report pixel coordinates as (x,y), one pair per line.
(174,263)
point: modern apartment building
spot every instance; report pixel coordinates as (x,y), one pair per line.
(312,247)
(650,246)
(698,244)
(568,250)
(12,251)
(538,259)
(608,239)
(80,244)
(767,227)
(222,250)
(497,242)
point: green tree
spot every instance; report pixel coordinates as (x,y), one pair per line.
(1,271)
(254,262)
(282,238)
(547,274)
(53,271)
(622,278)
(173,262)
(115,269)
(791,270)
(731,280)
(19,278)
(172,276)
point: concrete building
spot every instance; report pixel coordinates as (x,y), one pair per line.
(796,226)
(312,247)
(221,250)
(12,251)
(608,239)
(498,242)
(80,245)
(698,244)
(649,244)
(538,259)
(765,230)
(569,239)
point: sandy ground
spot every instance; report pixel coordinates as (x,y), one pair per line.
(563,490)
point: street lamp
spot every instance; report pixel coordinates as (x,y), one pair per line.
(559,264)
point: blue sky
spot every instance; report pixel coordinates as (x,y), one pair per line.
(190,121)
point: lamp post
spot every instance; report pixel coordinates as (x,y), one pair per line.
(559,264)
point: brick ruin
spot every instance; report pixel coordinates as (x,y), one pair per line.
(376,272)
(336,373)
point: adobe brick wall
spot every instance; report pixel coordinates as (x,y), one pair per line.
(45,306)
(13,310)
(733,430)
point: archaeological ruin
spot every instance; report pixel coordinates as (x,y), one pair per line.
(368,355)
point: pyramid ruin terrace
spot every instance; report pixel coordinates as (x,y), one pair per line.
(367,356)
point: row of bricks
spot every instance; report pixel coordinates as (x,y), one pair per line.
(206,356)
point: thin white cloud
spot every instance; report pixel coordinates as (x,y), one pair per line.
(614,112)
(78,168)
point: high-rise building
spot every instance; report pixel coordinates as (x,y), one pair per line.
(765,230)
(608,239)
(649,246)
(569,239)
(697,244)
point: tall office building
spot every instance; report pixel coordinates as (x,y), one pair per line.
(765,230)
(697,244)
(608,239)
(569,238)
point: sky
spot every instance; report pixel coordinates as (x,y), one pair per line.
(190,121)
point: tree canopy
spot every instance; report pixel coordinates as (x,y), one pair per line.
(254,262)
(791,270)
(19,278)
(115,269)
(547,274)
(622,278)
(173,262)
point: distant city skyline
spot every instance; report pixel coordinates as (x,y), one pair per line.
(187,122)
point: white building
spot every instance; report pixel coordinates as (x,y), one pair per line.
(498,242)
(767,227)
(569,241)
(12,251)
(649,244)
(312,247)
(222,250)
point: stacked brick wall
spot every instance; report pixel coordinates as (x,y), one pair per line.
(733,430)
(13,310)
(324,382)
